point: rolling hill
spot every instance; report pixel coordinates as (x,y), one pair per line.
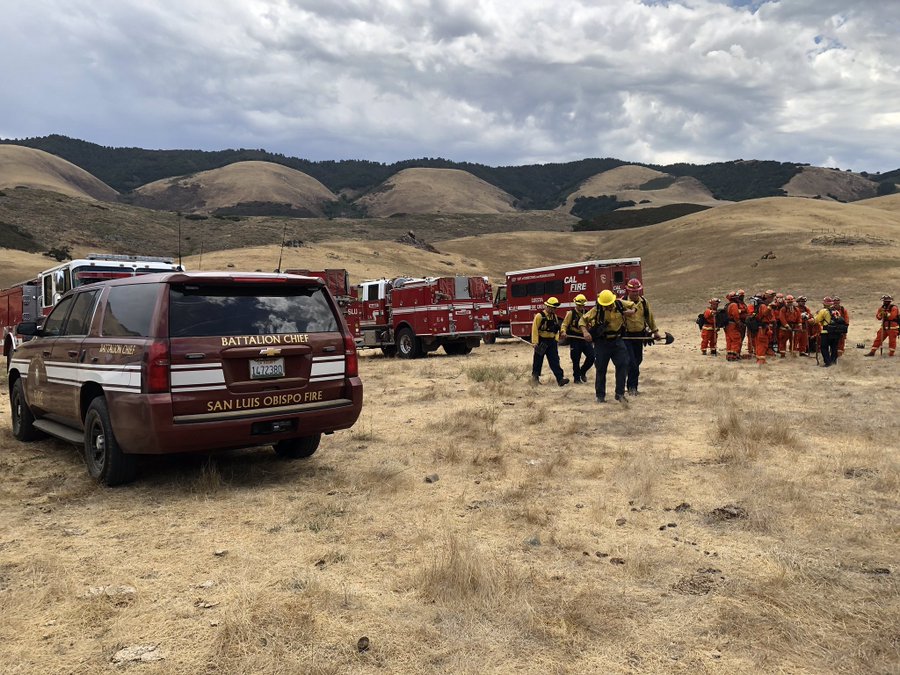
(435,191)
(645,187)
(260,187)
(822,183)
(36,169)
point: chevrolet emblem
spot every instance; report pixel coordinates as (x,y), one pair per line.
(270,351)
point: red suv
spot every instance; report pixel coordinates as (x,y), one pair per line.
(186,362)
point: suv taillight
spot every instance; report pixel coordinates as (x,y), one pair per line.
(352,359)
(156,368)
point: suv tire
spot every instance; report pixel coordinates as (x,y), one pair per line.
(104,458)
(298,448)
(22,418)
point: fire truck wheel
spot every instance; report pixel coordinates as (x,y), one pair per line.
(297,448)
(408,345)
(457,348)
(390,351)
(489,339)
(104,458)
(22,419)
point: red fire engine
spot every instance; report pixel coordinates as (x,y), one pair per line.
(523,296)
(28,300)
(338,283)
(411,317)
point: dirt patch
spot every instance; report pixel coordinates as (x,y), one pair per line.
(728,512)
(850,240)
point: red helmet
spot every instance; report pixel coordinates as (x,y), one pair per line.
(634,286)
(789,298)
(827,300)
(730,295)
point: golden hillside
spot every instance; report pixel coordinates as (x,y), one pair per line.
(235,184)
(645,187)
(886,202)
(36,169)
(819,182)
(436,191)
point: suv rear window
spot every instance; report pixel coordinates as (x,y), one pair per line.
(253,309)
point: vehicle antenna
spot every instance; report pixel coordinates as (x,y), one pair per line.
(200,261)
(281,252)
(179,238)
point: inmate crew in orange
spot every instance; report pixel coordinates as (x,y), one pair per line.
(789,322)
(742,313)
(577,344)
(544,332)
(776,306)
(765,318)
(806,319)
(734,336)
(889,316)
(709,331)
(836,305)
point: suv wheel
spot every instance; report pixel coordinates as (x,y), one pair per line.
(22,418)
(105,460)
(408,345)
(298,448)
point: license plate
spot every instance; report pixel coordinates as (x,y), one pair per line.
(263,369)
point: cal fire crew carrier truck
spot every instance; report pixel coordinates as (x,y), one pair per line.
(523,296)
(31,299)
(411,317)
(338,282)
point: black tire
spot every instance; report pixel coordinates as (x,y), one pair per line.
(408,345)
(104,458)
(389,350)
(457,348)
(298,448)
(489,339)
(22,418)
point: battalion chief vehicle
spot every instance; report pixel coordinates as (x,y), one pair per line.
(185,362)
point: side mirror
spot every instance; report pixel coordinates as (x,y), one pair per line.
(28,328)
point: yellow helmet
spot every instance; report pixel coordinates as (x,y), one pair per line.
(606,298)
(551,302)
(580,299)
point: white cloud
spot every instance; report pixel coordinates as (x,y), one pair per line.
(496,81)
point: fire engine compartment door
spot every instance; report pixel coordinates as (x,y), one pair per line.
(253,347)
(461,288)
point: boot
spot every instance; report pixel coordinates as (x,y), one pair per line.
(714,353)
(703,351)
(871,353)
(563,381)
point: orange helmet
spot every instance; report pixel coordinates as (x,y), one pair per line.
(634,286)
(714,301)
(740,293)
(789,298)
(730,295)
(769,292)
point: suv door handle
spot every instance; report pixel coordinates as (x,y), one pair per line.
(329,349)
(72,352)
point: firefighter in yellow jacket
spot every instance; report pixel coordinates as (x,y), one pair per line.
(571,333)
(638,325)
(604,325)
(544,332)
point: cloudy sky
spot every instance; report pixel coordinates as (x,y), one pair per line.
(492,81)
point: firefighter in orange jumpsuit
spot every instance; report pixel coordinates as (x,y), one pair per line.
(836,305)
(733,337)
(806,321)
(776,306)
(752,306)
(889,316)
(709,332)
(765,317)
(741,324)
(789,322)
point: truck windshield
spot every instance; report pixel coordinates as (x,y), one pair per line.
(89,274)
(253,309)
